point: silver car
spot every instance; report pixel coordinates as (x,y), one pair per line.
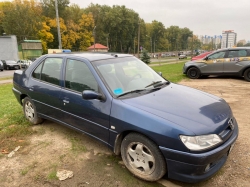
(230,61)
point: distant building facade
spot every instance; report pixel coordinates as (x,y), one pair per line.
(98,47)
(216,39)
(229,38)
(30,49)
(8,48)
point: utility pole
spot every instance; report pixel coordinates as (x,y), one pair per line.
(138,52)
(108,41)
(58,26)
(94,37)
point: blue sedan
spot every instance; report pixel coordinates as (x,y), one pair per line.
(157,126)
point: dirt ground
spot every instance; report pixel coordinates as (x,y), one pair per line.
(54,147)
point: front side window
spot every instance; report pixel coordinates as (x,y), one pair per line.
(218,55)
(78,77)
(49,71)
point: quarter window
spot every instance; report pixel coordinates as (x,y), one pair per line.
(78,77)
(37,73)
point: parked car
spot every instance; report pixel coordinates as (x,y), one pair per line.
(1,65)
(24,63)
(183,57)
(231,61)
(201,56)
(157,126)
(10,64)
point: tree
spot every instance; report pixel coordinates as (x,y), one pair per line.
(22,18)
(240,44)
(145,57)
(48,7)
(45,35)
(86,24)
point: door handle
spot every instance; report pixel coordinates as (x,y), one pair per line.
(65,101)
(31,89)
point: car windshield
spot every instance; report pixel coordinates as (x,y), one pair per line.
(127,75)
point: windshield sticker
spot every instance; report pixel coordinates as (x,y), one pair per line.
(118,91)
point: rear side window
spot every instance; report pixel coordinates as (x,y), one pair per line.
(242,53)
(237,53)
(49,71)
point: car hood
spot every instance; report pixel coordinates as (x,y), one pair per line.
(192,109)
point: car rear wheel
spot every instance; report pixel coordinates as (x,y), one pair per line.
(30,113)
(247,75)
(142,157)
(193,73)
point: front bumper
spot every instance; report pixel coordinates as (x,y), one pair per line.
(190,167)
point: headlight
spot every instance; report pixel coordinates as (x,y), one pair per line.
(197,143)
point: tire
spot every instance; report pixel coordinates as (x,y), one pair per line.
(142,157)
(247,75)
(193,73)
(30,113)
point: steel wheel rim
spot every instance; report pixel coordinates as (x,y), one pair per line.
(29,111)
(140,158)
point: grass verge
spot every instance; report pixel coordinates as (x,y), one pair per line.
(172,72)
(13,125)
(6,78)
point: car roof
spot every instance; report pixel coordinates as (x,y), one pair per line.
(90,56)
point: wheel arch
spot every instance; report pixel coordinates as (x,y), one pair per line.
(22,96)
(122,135)
(243,71)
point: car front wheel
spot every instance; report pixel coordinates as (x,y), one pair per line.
(142,157)
(193,73)
(30,113)
(247,75)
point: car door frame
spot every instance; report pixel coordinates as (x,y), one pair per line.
(44,108)
(235,65)
(97,128)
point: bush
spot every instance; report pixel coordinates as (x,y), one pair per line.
(145,57)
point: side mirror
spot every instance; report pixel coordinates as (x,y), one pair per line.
(89,95)
(206,58)
(160,73)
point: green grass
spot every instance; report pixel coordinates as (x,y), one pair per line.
(6,78)
(52,175)
(172,72)
(13,125)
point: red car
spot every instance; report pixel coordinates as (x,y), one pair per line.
(202,55)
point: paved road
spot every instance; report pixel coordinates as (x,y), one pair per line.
(6,73)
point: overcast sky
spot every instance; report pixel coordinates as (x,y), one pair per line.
(203,17)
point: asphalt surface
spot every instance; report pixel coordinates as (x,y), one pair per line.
(6,73)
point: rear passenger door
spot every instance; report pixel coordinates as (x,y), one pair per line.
(45,87)
(234,61)
(89,116)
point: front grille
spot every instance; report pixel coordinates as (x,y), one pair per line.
(226,133)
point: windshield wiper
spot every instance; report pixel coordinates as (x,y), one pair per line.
(133,91)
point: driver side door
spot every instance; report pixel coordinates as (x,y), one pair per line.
(213,64)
